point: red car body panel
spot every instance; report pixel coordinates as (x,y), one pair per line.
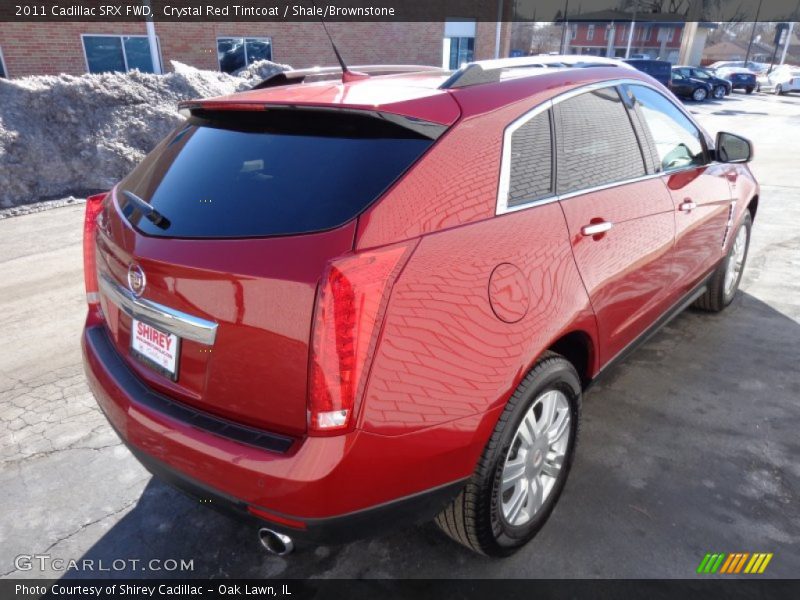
(477,303)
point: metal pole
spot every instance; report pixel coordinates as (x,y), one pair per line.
(564,29)
(786,44)
(752,34)
(152,41)
(498,29)
(630,33)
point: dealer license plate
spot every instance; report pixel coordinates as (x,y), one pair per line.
(157,349)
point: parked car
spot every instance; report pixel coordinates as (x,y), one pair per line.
(781,80)
(741,79)
(687,87)
(755,67)
(335,308)
(640,57)
(660,70)
(719,87)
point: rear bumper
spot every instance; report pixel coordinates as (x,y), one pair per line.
(324,489)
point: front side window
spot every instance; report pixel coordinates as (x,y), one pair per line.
(596,142)
(677,141)
(235,53)
(117,53)
(531,173)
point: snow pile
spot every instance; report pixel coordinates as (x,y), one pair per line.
(62,135)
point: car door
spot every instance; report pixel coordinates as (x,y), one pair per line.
(699,188)
(619,215)
(680,85)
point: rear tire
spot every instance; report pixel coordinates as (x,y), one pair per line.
(517,482)
(719,92)
(779,90)
(724,283)
(749,90)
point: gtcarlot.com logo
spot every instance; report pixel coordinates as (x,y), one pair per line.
(46,562)
(734,563)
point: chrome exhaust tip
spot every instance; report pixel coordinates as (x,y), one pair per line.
(274,542)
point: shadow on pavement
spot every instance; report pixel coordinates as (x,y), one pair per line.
(688,447)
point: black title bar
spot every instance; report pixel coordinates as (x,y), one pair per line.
(392,10)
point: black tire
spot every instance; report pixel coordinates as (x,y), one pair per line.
(749,90)
(474,518)
(699,95)
(779,90)
(719,92)
(715,299)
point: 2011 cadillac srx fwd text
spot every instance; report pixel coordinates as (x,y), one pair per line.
(332,307)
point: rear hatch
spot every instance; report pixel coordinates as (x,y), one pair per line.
(226,228)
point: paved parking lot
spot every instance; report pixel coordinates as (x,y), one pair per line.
(690,446)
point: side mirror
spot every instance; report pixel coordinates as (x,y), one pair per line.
(731,148)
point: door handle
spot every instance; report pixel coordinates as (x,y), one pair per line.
(596,228)
(687,205)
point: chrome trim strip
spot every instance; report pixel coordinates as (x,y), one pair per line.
(170,320)
(505,159)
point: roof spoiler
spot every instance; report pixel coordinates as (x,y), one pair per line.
(300,75)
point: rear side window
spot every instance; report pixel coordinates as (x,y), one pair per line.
(596,142)
(275,172)
(531,161)
(676,140)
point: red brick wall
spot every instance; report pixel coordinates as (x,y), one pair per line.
(51,48)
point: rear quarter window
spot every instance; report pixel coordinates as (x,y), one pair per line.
(267,173)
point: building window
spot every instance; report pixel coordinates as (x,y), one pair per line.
(235,53)
(3,72)
(107,53)
(459,43)
(605,33)
(590,33)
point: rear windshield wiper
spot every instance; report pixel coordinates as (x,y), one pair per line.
(150,213)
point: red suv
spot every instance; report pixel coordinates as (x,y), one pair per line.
(334,307)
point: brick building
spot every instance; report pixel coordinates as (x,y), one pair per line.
(80,47)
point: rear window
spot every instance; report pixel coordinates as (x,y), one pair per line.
(278,172)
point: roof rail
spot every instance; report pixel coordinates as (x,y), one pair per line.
(493,71)
(300,75)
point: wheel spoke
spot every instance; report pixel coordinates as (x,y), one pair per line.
(560,425)
(527,429)
(516,504)
(513,472)
(548,402)
(552,466)
(537,496)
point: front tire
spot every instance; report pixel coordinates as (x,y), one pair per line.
(699,95)
(524,466)
(779,90)
(724,283)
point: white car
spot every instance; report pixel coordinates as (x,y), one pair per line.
(782,79)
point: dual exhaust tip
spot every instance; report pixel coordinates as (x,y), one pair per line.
(274,542)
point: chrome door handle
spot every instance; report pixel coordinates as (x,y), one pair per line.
(596,228)
(687,205)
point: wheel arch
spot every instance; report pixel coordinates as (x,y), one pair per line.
(578,347)
(752,206)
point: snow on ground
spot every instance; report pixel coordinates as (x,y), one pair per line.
(64,135)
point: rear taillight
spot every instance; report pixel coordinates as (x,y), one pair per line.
(350,305)
(94,204)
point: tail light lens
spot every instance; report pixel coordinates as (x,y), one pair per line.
(350,307)
(94,204)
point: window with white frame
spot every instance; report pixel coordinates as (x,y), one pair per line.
(235,53)
(3,71)
(109,53)
(458,45)
(590,33)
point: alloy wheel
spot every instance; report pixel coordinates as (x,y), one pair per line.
(735,262)
(699,94)
(719,92)
(535,458)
